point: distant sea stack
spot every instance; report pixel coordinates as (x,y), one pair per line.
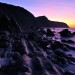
(44,22)
(24,18)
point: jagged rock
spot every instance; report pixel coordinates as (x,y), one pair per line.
(69,47)
(4,23)
(38,54)
(4,39)
(73,33)
(69,73)
(49,33)
(24,18)
(59,52)
(57,45)
(23,69)
(43,43)
(6,33)
(66,33)
(31,36)
(36,64)
(15,28)
(68,41)
(10,25)
(18,47)
(42,31)
(62,60)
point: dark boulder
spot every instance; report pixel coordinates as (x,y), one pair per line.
(43,43)
(57,45)
(4,23)
(42,31)
(6,33)
(49,33)
(9,24)
(66,33)
(73,33)
(38,54)
(67,41)
(62,60)
(59,52)
(69,47)
(31,36)
(18,47)
(36,64)
(69,73)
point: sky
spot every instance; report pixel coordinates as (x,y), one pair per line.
(55,10)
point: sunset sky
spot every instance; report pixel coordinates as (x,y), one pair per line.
(56,10)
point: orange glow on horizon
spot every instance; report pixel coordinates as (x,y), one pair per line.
(69,22)
(72,25)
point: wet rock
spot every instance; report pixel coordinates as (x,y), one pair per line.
(18,47)
(42,31)
(56,45)
(4,45)
(66,33)
(38,54)
(24,69)
(18,59)
(62,60)
(6,33)
(31,36)
(69,47)
(65,48)
(69,73)
(49,33)
(1,51)
(9,70)
(4,39)
(59,52)
(31,55)
(4,23)
(36,64)
(43,43)
(59,69)
(70,55)
(49,52)
(67,41)
(73,33)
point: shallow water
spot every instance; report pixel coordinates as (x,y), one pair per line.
(72,52)
(58,37)
(60,29)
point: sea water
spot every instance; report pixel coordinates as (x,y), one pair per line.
(72,52)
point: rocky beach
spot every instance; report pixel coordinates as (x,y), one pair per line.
(35,50)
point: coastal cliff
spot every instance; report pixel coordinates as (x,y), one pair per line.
(25,19)
(44,22)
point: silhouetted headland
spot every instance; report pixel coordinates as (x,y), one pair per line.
(27,20)
(44,22)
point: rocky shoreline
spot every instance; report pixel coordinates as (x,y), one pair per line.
(33,54)
(27,49)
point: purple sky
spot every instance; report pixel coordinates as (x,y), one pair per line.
(56,10)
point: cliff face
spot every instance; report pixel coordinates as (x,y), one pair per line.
(25,20)
(44,22)
(23,17)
